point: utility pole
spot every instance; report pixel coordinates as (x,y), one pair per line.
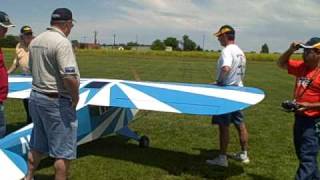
(136,41)
(114,41)
(95,33)
(203,39)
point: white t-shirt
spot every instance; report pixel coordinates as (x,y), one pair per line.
(233,57)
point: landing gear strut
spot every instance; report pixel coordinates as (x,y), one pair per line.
(144,141)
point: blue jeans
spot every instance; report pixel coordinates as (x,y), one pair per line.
(2,122)
(306,144)
(55,126)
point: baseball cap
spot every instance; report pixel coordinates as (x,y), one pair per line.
(26,30)
(312,43)
(225,29)
(61,14)
(4,20)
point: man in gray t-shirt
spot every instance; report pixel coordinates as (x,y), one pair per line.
(230,72)
(51,61)
(54,96)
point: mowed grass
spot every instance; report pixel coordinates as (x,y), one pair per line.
(180,144)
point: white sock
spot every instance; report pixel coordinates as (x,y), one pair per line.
(245,153)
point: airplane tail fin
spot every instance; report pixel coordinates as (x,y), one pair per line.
(12,166)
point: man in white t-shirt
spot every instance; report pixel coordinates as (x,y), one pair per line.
(230,72)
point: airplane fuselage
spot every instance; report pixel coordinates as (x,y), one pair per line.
(93,122)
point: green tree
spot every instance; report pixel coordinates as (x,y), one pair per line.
(199,48)
(188,44)
(264,48)
(9,41)
(132,44)
(75,43)
(158,45)
(173,42)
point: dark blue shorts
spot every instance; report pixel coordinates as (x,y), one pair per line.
(55,126)
(225,119)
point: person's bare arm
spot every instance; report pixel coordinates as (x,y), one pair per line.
(285,57)
(72,84)
(13,67)
(306,105)
(224,72)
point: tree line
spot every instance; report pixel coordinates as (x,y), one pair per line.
(186,44)
(10,41)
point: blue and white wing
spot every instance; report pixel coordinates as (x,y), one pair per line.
(12,166)
(19,87)
(199,99)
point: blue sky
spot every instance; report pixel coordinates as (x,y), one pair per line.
(275,22)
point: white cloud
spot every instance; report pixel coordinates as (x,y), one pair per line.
(276,22)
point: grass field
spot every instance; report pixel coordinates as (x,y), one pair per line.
(180,144)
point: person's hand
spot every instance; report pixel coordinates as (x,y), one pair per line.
(303,106)
(294,46)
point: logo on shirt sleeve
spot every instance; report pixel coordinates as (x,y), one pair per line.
(70,69)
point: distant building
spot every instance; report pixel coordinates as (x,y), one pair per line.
(168,48)
(85,45)
(134,48)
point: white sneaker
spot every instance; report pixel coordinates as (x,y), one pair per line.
(221,160)
(240,156)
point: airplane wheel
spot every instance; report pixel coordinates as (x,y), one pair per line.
(144,142)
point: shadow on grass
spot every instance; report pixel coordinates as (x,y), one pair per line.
(258,177)
(175,163)
(15,126)
(43,177)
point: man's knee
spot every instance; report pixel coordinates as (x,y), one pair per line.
(61,165)
(241,126)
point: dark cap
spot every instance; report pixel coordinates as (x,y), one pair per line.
(225,29)
(312,43)
(61,14)
(26,30)
(4,20)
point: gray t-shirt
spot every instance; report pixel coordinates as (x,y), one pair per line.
(233,57)
(51,59)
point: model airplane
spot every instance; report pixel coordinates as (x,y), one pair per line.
(107,106)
